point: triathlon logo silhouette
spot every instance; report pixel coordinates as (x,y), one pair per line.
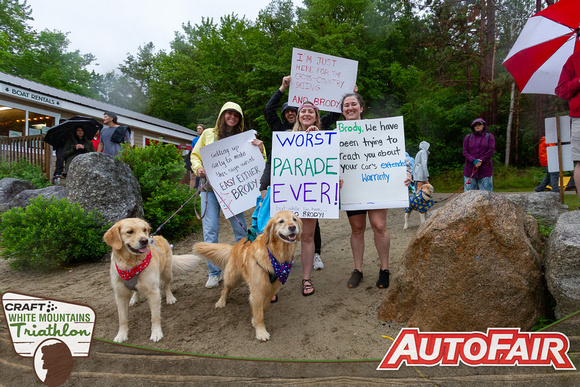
(52,332)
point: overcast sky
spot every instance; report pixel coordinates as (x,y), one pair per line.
(109,29)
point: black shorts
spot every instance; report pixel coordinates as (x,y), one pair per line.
(356,212)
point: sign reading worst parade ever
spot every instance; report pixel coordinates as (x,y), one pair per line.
(234,167)
(321,79)
(373,164)
(304,174)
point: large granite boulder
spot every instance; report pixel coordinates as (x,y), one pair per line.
(9,188)
(23,198)
(562,263)
(471,265)
(541,205)
(97,180)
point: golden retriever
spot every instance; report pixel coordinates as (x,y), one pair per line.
(250,262)
(422,201)
(131,245)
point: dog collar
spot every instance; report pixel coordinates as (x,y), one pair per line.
(281,270)
(127,275)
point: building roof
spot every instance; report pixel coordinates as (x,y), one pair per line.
(89,102)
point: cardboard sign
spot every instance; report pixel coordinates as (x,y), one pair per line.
(551,133)
(567,163)
(321,79)
(373,164)
(234,167)
(304,174)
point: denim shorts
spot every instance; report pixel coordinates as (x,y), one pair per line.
(482,184)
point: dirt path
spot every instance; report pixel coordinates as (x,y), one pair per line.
(335,323)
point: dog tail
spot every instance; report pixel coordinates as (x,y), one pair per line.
(217,253)
(182,264)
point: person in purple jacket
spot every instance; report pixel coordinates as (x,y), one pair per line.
(478,149)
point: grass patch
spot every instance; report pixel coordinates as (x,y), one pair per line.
(505,179)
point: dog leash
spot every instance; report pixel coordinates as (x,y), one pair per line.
(228,207)
(195,195)
(468,182)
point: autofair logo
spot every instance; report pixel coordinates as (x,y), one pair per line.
(499,347)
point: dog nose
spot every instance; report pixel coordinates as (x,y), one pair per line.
(292,228)
(143,241)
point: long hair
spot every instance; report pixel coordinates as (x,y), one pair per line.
(222,125)
(298,126)
(360,102)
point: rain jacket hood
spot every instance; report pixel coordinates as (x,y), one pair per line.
(231,106)
(283,116)
(420,171)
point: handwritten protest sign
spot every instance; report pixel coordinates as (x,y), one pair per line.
(234,167)
(373,164)
(304,175)
(321,79)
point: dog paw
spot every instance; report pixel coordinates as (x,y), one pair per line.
(156,335)
(121,337)
(262,335)
(405,227)
(220,304)
(170,299)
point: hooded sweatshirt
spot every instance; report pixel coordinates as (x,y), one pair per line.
(478,146)
(210,136)
(420,172)
(277,124)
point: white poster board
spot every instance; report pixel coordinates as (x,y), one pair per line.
(304,174)
(373,164)
(234,167)
(321,79)
(567,163)
(552,135)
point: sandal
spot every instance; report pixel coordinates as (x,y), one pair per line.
(274,299)
(307,285)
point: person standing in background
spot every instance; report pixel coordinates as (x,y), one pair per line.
(478,149)
(551,178)
(106,145)
(569,89)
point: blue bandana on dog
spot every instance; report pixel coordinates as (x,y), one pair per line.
(282,270)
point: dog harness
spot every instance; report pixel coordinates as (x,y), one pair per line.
(417,203)
(281,270)
(130,276)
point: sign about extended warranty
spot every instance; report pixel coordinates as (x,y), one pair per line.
(304,174)
(373,164)
(50,331)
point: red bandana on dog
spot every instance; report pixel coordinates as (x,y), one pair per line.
(128,274)
(282,270)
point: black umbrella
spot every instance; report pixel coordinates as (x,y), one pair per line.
(57,135)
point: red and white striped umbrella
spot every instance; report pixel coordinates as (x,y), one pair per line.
(546,42)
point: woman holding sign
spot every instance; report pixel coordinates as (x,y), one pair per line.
(352,107)
(230,122)
(308,120)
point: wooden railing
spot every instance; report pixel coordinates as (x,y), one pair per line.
(31,148)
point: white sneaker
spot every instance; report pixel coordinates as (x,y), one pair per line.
(317,264)
(213,281)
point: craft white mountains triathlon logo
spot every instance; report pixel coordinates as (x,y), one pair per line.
(50,331)
(499,347)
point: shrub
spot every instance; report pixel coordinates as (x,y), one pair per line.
(159,169)
(51,233)
(24,170)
